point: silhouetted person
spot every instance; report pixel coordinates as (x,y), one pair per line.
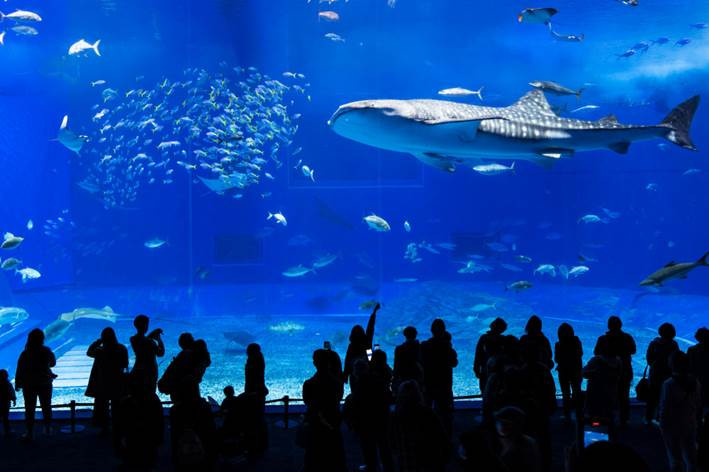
(181,377)
(698,356)
(7,397)
(534,339)
(34,377)
(140,426)
(360,342)
(407,359)
(488,345)
(658,358)
(439,359)
(322,393)
(334,360)
(515,450)
(679,411)
(568,354)
(622,345)
(147,348)
(255,372)
(255,392)
(537,398)
(107,380)
(602,372)
(419,439)
(371,399)
(228,403)
(193,435)
(502,366)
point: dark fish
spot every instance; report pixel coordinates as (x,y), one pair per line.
(328,214)
(242,338)
(674,270)
(683,42)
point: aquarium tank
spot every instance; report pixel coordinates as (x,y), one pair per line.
(266,172)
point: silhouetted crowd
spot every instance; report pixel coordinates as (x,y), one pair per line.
(401,416)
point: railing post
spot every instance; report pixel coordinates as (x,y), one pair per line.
(72,418)
(286,401)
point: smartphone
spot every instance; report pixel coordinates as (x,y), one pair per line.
(594,432)
(369,354)
(327,345)
(376,347)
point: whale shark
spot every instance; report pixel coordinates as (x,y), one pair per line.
(443,133)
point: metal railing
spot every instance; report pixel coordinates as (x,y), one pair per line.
(286,400)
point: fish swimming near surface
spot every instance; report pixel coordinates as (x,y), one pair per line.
(10,263)
(286,327)
(297,271)
(105,314)
(536,15)
(519,286)
(82,46)
(154,243)
(10,315)
(68,138)
(278,217)
(28,273)
(21,15)
(377,223)
(461,92)
(325,260)
(674,270)
(443,134)
(10,241)
(25,30)
(328,15)
(554,88)
(493,169)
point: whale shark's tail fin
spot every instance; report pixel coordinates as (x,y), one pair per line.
(679,122)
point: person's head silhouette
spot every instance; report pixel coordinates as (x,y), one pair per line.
(141,323)
(565,331)
(410,333)
(35,339)
(185,341)
(614,323)
(667,331)
(438,327)
(534,325)
(108,337)
(498,326)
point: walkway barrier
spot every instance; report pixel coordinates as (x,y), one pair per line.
(73,406)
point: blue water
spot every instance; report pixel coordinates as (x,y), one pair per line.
(221,266)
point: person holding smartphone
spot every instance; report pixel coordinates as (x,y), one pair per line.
(147,348)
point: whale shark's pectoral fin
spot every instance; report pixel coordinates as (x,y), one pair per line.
(438,161)
(620,148)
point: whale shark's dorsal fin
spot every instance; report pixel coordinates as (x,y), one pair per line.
(534,101)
